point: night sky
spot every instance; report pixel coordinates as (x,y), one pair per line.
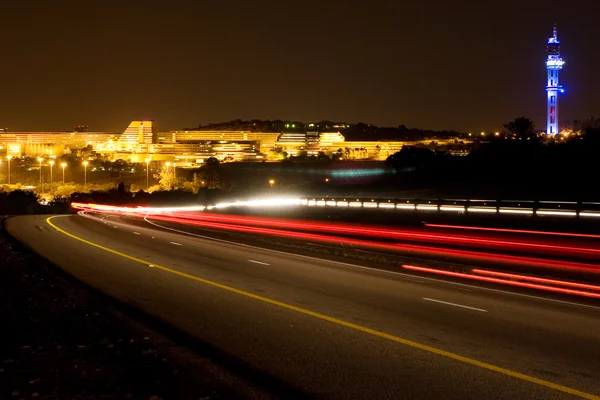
(467,65)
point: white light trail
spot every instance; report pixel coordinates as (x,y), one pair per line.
(553,212)
(482,209)
(452,208)
(589,214)
(528,211)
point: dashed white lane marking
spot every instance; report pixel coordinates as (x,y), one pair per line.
(454,304)
(176,244)
(258,262)
(136,233)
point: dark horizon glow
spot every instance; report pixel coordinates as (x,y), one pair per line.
(437,65)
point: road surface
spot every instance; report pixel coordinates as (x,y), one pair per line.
(319,328)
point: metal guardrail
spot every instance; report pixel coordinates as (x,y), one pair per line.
(470,206)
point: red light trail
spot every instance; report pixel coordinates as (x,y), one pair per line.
(536,279)
(528,232)
(531,261)
(388,233)
(502,281)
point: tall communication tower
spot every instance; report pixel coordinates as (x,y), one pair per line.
(554,63)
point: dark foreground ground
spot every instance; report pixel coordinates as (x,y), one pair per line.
(62,341)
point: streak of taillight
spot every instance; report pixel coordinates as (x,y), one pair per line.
(536,279)
(528,232)
(539,262)
(502,281)
(376,232)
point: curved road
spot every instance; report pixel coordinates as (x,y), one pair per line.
(332,330)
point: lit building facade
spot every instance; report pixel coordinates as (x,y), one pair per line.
(554,63)
(142,140)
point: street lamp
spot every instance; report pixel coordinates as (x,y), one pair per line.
(40,159)
(271,182)
(63,165)
(8,158)
(85,164)
(147,174)
(51,165)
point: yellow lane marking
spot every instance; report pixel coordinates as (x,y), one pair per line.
(346,324)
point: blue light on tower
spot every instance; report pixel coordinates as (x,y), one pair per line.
(554,63)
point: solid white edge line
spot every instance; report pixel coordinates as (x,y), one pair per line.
(259,262)
(411,277)
(454,304)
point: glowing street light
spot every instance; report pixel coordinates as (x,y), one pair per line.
(271,182)
(51,162)
(40,159)
(8,158)
(147,174)
(85,164)
(482,133)
(497,133)
(63,165)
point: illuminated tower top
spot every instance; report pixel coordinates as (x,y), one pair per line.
(554,63)
(554,60)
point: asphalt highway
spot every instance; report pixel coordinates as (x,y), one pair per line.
(326,329)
